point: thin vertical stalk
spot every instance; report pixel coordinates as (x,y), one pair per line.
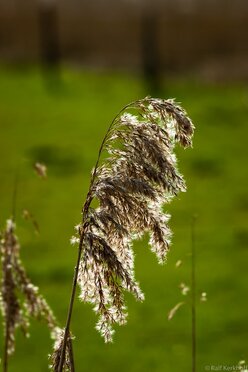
(193,294)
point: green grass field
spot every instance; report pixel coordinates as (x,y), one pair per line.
(63,127)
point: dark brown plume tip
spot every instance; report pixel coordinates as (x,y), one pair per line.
(168,109)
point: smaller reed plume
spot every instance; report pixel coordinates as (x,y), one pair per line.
(136,175)
(19,298)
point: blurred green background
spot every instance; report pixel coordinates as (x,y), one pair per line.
(62,125)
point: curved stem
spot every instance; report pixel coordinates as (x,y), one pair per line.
(85,210)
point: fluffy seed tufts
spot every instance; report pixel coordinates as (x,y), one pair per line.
(130,186)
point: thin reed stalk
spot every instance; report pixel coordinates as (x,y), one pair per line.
(193,294)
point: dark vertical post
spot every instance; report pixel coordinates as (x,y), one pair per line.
(150,47)
(49,37)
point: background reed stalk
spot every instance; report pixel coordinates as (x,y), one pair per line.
(193,294)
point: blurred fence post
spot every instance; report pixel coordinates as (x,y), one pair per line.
(150,47)
(49,36)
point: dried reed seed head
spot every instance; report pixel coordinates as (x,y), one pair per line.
(13,316)
(16,312)
(131,185)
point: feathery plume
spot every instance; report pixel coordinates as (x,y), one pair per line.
(130,184)
(15,310)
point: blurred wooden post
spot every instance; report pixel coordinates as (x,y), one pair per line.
(49,35)
(150,47)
